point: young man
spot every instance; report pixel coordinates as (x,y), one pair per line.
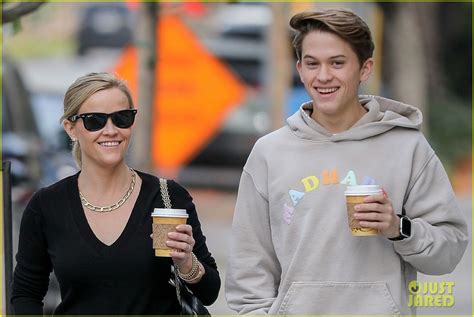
(292,251)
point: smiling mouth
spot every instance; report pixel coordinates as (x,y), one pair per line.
(110,143)
(326,91)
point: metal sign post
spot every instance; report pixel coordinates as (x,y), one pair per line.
(7,235)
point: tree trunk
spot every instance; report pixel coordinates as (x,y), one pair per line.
(410,58)
(146,44)
(280,62)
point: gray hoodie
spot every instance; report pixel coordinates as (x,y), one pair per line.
(292,251)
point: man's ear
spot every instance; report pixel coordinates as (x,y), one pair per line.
(366,69)
(298,68)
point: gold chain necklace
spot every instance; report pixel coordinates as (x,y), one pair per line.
(117,205)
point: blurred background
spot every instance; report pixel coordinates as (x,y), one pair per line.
(211,78)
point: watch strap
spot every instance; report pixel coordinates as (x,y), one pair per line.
(400,237)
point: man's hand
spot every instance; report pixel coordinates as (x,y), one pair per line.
(377,212)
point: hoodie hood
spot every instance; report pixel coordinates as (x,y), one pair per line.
(382,115)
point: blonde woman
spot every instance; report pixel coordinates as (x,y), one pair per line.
(93,228)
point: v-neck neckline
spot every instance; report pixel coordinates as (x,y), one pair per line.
(85,229)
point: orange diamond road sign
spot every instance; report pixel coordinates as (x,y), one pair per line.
(194,92)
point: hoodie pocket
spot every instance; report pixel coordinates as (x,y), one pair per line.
(338,298)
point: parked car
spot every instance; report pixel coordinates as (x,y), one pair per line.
(104,25)
(248,121)
(241,44)
(20,136)
(220,162)
(33,146)
(47,109)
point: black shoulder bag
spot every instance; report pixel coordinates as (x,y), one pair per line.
(190,304)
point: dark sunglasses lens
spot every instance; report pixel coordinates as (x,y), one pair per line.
(123,119)
(94,121)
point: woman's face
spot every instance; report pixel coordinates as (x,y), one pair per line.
(331,73)
(107,146)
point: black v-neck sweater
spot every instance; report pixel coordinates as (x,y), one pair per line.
(124,278)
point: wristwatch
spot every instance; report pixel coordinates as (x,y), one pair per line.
(405,228)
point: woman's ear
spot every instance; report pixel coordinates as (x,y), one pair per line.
(70,129)
(366,69)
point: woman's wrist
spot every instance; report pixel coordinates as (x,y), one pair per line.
(186,267)
(196,272)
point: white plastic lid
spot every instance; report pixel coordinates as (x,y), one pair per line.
(362,190)
(166,212)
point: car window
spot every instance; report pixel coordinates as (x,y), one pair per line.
(249,70)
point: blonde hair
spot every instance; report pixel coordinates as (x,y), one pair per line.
(81,90)
(344,23)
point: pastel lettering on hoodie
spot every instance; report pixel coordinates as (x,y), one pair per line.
(350,179)
(330,177)
(295,196)
(310,183)
(287,213)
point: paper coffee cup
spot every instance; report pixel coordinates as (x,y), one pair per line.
(164,221)
(355,195)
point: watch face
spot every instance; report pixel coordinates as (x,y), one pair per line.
(405,227)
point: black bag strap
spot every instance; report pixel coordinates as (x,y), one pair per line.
(190,304)
(177,283)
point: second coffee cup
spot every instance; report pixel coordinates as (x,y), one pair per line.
(355,195)
(165,220)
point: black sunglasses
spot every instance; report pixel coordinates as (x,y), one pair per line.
(94,121)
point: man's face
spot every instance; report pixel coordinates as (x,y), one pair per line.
(331,73)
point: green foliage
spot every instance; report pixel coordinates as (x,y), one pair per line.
(450,127)
(455,51)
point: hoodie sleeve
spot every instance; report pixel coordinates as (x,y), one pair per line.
(439,234)
(253,270)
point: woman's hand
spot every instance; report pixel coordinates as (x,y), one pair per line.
(377,212)
(182,243)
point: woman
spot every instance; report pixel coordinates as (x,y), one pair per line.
(292,251)
(93,228)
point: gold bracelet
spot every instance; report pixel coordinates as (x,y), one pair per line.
(198,275)
(194,270)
